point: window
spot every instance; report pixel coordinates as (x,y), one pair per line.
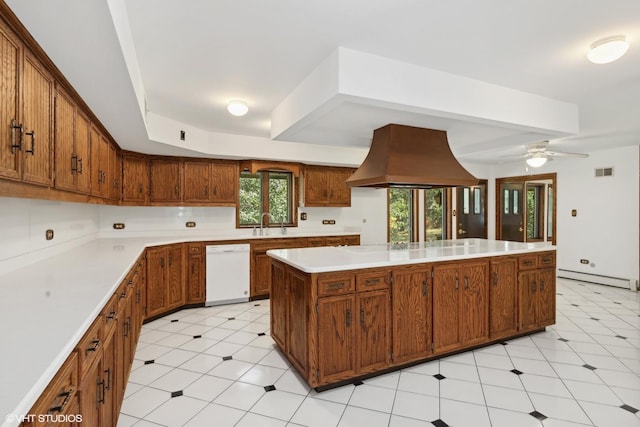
(266,191)
(435,214)
(535,211)
(400,205)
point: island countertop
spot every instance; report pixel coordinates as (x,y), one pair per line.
(326,259)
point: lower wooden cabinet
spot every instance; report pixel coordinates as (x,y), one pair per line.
(196,279)
(537,296)
(503,301)
(165,289)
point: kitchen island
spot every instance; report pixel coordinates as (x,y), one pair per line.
(345,313)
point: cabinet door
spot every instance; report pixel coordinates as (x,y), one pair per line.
(114,173)
(474,303)
(11,54)
(502,297)
(165,180)
(156,295)
(547,297)
(339,192)
(97,171)
(279,306)
(226,178)
(135,179)
(197,182)
(262,270)
(109,410)
(336,333)
(411,299)
(37,96)
(175,288)
(82,148)
(446,307)
(297,310)
(527,300)
(66,161)
(196,278)
(374,331)
(91,394)
(315,187)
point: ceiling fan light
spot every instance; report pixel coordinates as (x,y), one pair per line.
(608,49)
(536,161)
(237,108)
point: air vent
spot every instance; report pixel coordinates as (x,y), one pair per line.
(604,172)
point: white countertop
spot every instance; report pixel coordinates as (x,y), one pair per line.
(325,259)
(46,307)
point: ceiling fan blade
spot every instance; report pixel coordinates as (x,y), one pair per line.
(562,154)
(517,156)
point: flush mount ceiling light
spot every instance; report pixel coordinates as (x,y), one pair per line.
(237,108)
(608,49)
(537,160)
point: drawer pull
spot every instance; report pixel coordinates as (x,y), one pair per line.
(111,315)
(466,282)
(457,283)
(66,395)
(424,288)
(336,285)
(370,282)
(94,346)
(547,260)
(108,372)
(541,285)
(495,279)
(348,318)
(362,316)
(533,286)
(138,296)
(100,393)
(529,262)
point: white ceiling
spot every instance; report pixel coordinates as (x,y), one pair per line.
(196,55)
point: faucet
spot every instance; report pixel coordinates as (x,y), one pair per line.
(262,221)
(283,230)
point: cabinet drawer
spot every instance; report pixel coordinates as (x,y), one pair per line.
(195,249)
(291,242)
(60,395)
(335,285)
(122,293)
(314,242)
(372,281)
(351,240)
(547,259)
(334,241)
(110,314)
(90,346)
(528,262)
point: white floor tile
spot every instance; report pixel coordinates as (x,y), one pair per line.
(264,341)
(251,354)
(500,378)
(275,359)
(125,420)
(524,352)
(389,380)
(241,337)
(132,388)
(231,369)
(628,395)
(175,380)
(532,366)
(147,374)
(151,352)
(427,368)
(553,422)
(278,404)
(234,324)
(212,321)
(558,407)
(318,413)
(217,334)
(255,420)
(560,356)
(144,401)
(461,390)
(398,421)
(223,349)
(176,411)
(198,345)
(618,378)
(240,396)
(575,372)
(292,382)
(195,329)
(418,383)
(207,387)
(152,335)
(372,397)
(338,394)
(459,371)
(507,398)
(506,418)
(604,415)
(418,406)
(545,385)
(456,413)
(605,362)
(224,416)
(358,417)
(202,363)
(590,392)
(493,361)
(262,375)
(175,357)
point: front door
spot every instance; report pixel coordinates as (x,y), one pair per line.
(511,212)
(471,213)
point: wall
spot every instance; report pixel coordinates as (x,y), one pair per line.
(23,223)
(605,230)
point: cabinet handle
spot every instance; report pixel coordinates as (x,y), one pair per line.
(424,288)
(100,396)
(94,346)
(362,317)
(66,395)
(370,282)
(74,163)
(116,183)
(528,262)
(161,262)
(457,283)
(14,126)
(348,318)
(541,285)
(140,188)
(215,190)
(533,286)
(193,268)
(176,190)
(495,279)
(111,315)
(206,191)
(466,282)
(170,260)
(336,285)
(108,372)
(80,168)
(138,296)
(125,327)
(32,134)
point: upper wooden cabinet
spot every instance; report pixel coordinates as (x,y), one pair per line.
(26,113)
(135,179)
(165,180)
(72,150)
(104,171)
(325,186)
(210,182)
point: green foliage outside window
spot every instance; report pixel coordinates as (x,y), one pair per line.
(400,215)
(277,200)
(433,217)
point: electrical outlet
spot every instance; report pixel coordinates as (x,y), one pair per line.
(325,221)
(118,226)
(303,216)
(49,234)
(332,221)
(584,261)
(190,224)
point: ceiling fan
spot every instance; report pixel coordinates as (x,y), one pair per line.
(537,154)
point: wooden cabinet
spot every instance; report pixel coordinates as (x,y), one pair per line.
(336,338)
(165,180)
(261,263)
(103,166)
(165,289)
(226,179)
(26,111)
(325,186)
(196,279)
(279,300)
(135,179)
(373,333)
(411,308)
(460,304)
(197,178)
(72,151)
(536,291)
(110,405)
(503,293)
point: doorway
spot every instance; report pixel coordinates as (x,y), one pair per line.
(526,208)
(470,215)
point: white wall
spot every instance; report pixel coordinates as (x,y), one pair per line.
(605,230)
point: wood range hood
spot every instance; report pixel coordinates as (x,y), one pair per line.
(410,157)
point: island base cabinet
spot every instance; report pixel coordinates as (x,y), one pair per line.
(279,310)
(373,332)
(503,293)
(537,302)
(336,331)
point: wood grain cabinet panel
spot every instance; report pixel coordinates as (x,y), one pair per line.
(165,279)
(103,167)
(196,279)
(11,52)
(537,294)
(135,179)
(165,180)
(326,186)
(197,178)
(336,336)
(503,291)
(226,179)
(278,319)
(373,334)
(298,314)
(446,307)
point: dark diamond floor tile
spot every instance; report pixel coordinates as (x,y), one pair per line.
(621,337)
(174,320)
(504,343)
(616,302)
(269,388)
(597,293)
(227,358)
(593,368)
(629,408)
(176,393)
(195,337)
(558,293)
(256,305)
(594,318)
(231,318)
(439,423)
(563,339)
(439,377)
(149,362)
(516,371)
(261,334)
(575,305)
(357,383)
(537,415)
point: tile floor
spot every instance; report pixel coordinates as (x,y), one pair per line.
(217,366)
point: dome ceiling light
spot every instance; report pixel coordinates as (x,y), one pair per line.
(237,108)
(537,160)
(608,49)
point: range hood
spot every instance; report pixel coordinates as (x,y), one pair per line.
(410,157)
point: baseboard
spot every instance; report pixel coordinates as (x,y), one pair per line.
(595,278)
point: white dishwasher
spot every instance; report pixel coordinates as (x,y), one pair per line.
(227,274)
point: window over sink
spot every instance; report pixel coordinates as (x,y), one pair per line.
(263,192)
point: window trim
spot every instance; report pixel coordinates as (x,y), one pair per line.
(293,200)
